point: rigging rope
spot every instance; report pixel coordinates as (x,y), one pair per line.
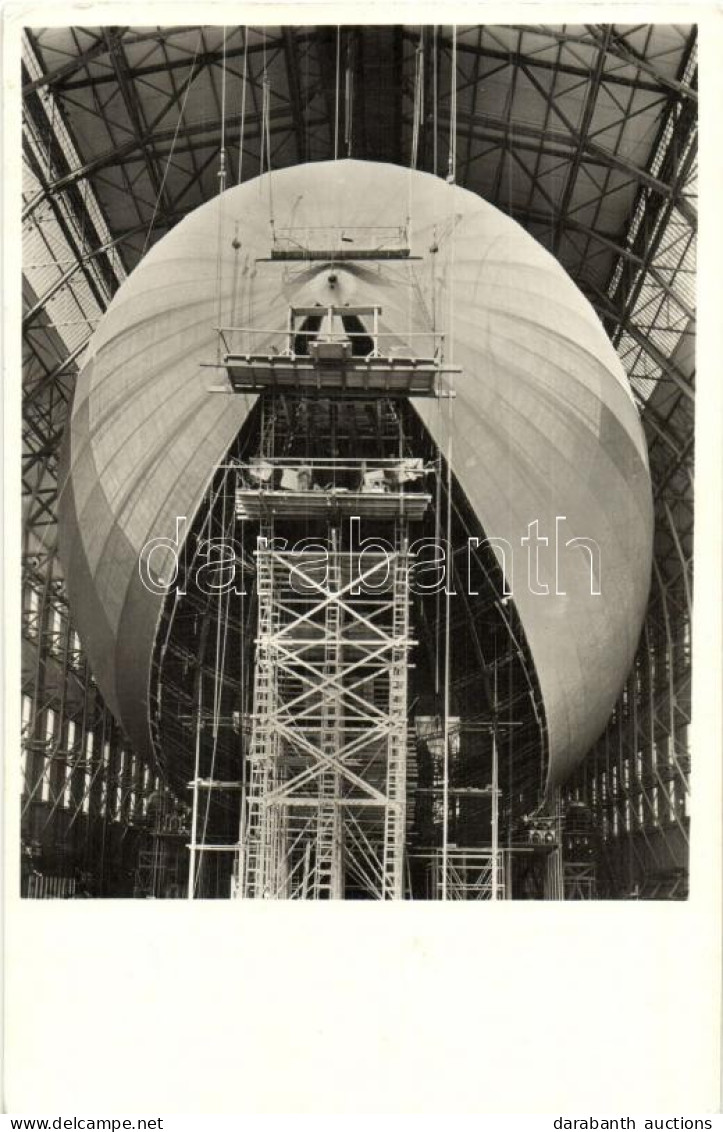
(222,155)
(189,84)
(219,668)
(449,354)
(449,581)
(267,128)
(348,98)
(265,150)
(336,94)
(192,870)
(434,96)
(262,143)
(263,108)
(242,127)
(418,99)
(416,123)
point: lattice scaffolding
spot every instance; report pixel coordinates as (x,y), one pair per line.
(325,798)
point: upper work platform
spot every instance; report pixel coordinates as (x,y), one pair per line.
(335,351)
(256,504)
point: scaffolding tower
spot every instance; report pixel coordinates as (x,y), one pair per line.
(325,798)
(323,813)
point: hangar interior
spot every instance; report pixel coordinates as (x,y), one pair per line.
(583,135)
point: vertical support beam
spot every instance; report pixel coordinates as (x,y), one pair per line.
(196,777)
(553,884)
(295,96)
(495,805)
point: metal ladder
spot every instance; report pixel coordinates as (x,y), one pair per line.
(258,837)
(396,788)
(328,876)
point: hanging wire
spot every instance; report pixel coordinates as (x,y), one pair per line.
(242,657)
(348,97)
(219,669)
(266,134)
(412,165)
(173,145)
(437,541)
(452,164)
(242,126)
(336,93)
(221,188)
(434,96)
(222,155)
(192,869)
(262,146)
(449,578)
(416,122)
(449,355)
(51,135)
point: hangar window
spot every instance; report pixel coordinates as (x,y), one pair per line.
(48,756)
(70,741)
(119,786)
(88,776)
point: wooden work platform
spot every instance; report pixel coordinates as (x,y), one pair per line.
(345,377)
(263,503)
(336,255)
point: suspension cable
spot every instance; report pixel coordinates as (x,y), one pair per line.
(452,164)
(266,132)
(192,872)
(416,122)
(348,97)
(449,356)
(449,581)
(262,145)
(169,159)
(336,93)
(434,96)
(242,126)
(220,666)
(418,98)
(222,155)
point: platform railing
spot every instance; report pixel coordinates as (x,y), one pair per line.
(333,242)
(240,341)
(312,474)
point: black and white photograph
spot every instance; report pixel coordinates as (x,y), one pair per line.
(362,630)
(358,409)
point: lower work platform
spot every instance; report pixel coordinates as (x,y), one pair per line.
(261,503)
